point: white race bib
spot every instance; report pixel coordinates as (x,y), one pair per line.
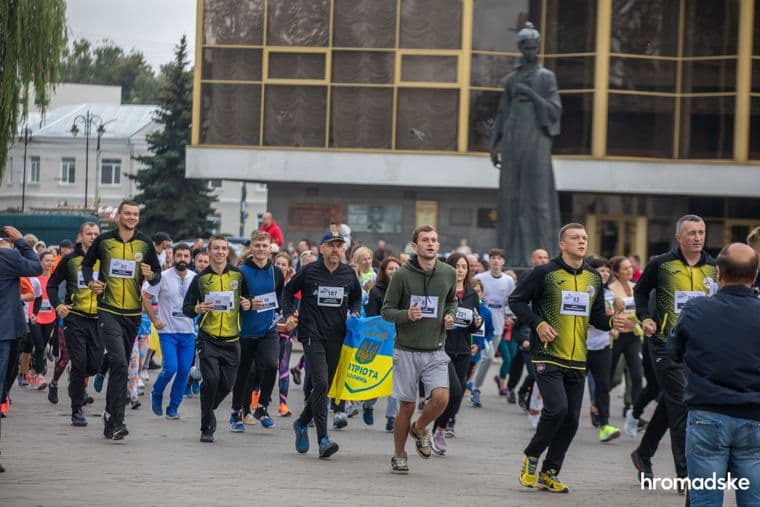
(330,296)
(682,296)
(224,301)
(177,311)
(80,279)
(463,317)
(45,306)
(428,305)
(629,304)
(575,303)
(481,332)
(121,268)
(268,300)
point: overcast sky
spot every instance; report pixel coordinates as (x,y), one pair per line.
(153,27)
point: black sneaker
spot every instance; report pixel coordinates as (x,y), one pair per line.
(207,436)
(523,400)
(53,393)
(119,432)
(78,418)
(511,398)
(642,465)
(296,374)
(88,400)
(107,426)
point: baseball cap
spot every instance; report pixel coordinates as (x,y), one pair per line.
(66,243)
(160,237)
(332,236)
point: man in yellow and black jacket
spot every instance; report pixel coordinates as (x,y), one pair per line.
(217,294)
(127,258)
(79,311)
(558,301)
(684,273)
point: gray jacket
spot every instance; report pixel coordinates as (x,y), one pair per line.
(15,263)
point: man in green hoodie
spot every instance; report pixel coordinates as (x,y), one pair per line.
(421,300)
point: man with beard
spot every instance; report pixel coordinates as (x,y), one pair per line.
(127,258)
(175,331)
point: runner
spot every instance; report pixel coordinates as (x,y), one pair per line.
(284,262)
(218,294)
(42,325)
(127,258)
(175,331)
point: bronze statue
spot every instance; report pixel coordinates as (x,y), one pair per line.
(527,119)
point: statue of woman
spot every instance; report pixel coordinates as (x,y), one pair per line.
(527,119)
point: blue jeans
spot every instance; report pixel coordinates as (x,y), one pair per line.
(717,443)
(177,353)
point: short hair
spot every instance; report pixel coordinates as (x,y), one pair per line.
(617,261)
(734,271)
(599,262)
(260,236)
(127,202)
(308,243)
(754,237)
(567,227)
(87,224)
(183,246)
(216,238)
(687,218)
(497,251)
(419,230)
(381,276)
(199,251)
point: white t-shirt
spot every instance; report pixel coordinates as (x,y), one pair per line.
(170,292)
(596,339)
(28,305)
(496,292)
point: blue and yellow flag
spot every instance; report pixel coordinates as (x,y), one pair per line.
(365,368)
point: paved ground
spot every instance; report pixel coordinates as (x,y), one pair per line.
(51,463)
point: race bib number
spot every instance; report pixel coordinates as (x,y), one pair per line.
(575,303)
(177,311)
(330,296)
(80,279)
(121,268)
(224,301)
(268,301)
(683,296)
(45,306)
(629,304)
(481,332)
(463,317)
(428,305)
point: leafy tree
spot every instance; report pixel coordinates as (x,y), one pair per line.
(32,41)
(173,203)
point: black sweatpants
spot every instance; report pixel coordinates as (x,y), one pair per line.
(671,411)
(219,363)
(259,359)
(40,334)
(85,353)
(562,391)
(12,370)
(629,346)
(598,365)
(322,360)
(651,391)
(457,380)
(118,334)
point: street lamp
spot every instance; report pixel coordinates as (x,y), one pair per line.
(26,138)
(87,120)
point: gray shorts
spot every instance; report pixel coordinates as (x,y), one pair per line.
(432,368)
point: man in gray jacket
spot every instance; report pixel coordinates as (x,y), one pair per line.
(14,263)
(421,300)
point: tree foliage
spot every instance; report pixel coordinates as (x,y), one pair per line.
(32,41)
(108,64)
(173,203)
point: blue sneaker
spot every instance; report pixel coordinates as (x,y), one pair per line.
(475,398)
(470,386)
(302,437)
(188,392)
(97,383)
(263,416)
(389,421)
(157,404)
(236,422)
(368,416)
(196,388)
(327,447)
(172,412)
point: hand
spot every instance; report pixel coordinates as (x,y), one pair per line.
(291,322)
(12,233)
(622,324)
(245,303)
(649,327)
(355,314)
(508,321)
(158,324)
(63,310)
(368,285)
(206,306)
(495,158)
(448,321)
(96,286)
(523,88)
(525,345)
(478,321)
(147,271)
(414,313)
(546,333)
(473,349)
(33,319)
(257,304)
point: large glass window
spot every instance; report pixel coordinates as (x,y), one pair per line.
(298,22)
(369,67)
(230,114)
(431,24)
(643,74)
(570,26)
(575,135)
(427,119)
(377,219)
(226,22)
(496,22)
(232,64)
(110,171)
(361,118)
(645,27)
(295,116)
(707,127)
(640,126)
(364,24)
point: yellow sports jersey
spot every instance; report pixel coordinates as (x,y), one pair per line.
(82,300)
(224,290)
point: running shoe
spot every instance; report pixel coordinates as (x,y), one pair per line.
(188,391)
(438,444)
(135,403)
(302,437)
(249,420)
(548,481)
(236,422)
(296,374)
(196,387)
(207,436)
(4,407)
(642,425)
(368,416)
(469,386)
(351,410)
(283,410)
(98,382)
(339,420)
(389,422)
(608,433)
(421,441)
(22,380)
(88,400)
(119,432)
(78,418)
(528,476)
(475,399)
(107,426)
(157,404)
(144,375)
(643,465)
(398,465)
(53,393)
(511,397)
(631,424)
(263,416)
(327,447)
(41,382)
(450,433)
(523,400)
(172,412)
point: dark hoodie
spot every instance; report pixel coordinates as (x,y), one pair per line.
(260,281)
(458,339)
(376,297)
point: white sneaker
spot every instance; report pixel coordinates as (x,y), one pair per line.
(534,420)
(144,375)
(631,424)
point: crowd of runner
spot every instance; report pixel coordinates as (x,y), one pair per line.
(105,305)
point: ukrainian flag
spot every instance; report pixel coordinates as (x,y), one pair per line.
(365,367)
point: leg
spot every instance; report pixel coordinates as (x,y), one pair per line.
(485,363)
(506,363)
(315,406)
(573,387)
(600,370)
(240,393)
(38,349)
(75,332)
(266,364)
(119,345)
(435,376)
(283,385)
(63,355)
(401,426)
(168,343)
(744,460)
(209,359)
(652,389)
(229,359)
(515,370)
(708,444)
(633,361)
(185,356)
(455,397)
(552,387)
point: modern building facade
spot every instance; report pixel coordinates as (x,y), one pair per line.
(378,113)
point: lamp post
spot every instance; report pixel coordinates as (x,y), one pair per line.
(26,137)
(87,120)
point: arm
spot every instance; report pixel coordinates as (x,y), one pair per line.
(644,286)
(391,310)
(355,297)
(89,260)
(192,298)
(374,303)
(155,266)
(519,301)
(56,278)
(598,317)
(288,293)
(28,262)
(452,302)
(676,344)
(279,281)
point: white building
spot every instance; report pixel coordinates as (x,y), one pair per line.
(60,170)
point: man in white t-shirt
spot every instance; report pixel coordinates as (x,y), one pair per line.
(497,286)
(175,330)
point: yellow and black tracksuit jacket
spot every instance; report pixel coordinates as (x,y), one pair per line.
(222,325)
(549,295)
(120,270)
(83,301)
(669,274)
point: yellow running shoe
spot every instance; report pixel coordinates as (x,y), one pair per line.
(548,481)
(608,433)
(528,475)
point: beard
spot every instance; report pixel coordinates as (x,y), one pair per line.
(181,266)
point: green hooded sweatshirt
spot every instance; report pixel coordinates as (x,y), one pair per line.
(435,291)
